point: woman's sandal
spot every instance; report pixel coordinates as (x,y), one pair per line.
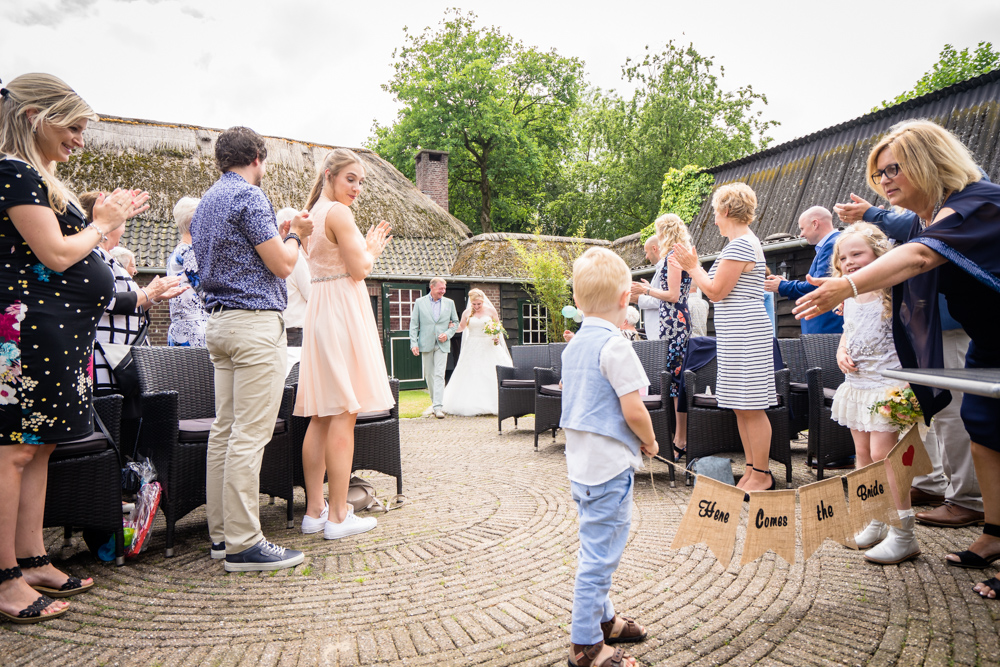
(994,584)
(597,655)
(73,585)
(678,452)
(33,612)
(622,629)
(746,496)
(971,559)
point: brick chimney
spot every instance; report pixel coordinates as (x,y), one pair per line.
(432,176)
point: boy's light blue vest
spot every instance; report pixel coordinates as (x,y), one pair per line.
(589,402)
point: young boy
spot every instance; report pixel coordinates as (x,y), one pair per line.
(606,426)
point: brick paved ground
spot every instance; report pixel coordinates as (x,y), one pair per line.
(478,570)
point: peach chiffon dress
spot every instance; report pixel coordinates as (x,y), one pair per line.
(342,368)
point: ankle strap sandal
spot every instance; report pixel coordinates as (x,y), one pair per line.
(33,612)
(991,529)
(72,585)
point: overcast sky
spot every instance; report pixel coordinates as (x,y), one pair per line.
(312,70)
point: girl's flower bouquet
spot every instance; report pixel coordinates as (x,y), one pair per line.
(495,329)
(900,407)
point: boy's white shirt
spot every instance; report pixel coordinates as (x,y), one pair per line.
(591,458)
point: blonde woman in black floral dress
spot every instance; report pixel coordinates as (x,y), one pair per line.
(53,289)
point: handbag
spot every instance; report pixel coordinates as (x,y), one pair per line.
(123,371)
(361,496)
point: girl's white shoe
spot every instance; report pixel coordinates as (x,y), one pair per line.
(351,525)
(900,545)
(873,533)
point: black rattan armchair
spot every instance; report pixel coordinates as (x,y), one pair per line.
(548,402)
(84,488)
(713,430)
(829,442)
(795,360)
(516,384)
(653,356)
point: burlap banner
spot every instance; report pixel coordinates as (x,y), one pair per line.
(907,460)
(824,515)
(771,525)
(869,497)
(712,517)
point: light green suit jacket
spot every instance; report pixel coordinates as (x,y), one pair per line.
(424,329)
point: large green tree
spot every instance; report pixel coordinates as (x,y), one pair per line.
(500,108)
(952,67)
(678,115)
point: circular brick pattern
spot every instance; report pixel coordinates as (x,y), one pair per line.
(477,568)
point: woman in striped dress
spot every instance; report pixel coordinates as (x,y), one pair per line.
(735,283)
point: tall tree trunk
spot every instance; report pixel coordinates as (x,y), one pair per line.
(484,189)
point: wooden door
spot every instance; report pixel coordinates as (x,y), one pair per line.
(397,304)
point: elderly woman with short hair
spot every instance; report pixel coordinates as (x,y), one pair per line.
(954,250)
(188,316)
(735,283)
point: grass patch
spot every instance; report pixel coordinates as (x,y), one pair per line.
(412,403)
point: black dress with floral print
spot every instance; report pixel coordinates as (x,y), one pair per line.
(675,328)
(47,324)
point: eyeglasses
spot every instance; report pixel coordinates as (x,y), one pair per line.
(891,171)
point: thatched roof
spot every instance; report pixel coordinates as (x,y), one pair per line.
(630,249)
(171,161)
(826,167)
(493,255)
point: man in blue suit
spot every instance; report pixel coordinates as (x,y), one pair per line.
(816,227)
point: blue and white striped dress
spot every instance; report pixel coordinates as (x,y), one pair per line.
(743,333)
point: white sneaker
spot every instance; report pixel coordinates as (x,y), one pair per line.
(311,525)
(900,545)
(873,533)
(351,525)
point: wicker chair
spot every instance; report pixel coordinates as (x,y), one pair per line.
(376,439)
(516,384)
(84,488)
(713,430)
(829,442)
(653,356)
(555,356)
(795,360)
(548,402)
(178,385)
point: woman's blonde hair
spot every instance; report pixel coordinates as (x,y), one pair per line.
(738,200)
(476,293)
(55,104)
(670,229)
(878,242)
(334,162)
(933,159)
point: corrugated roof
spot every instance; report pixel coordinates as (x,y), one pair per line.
(825,167)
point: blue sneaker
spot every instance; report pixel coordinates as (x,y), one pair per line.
(263,556)
(218,550)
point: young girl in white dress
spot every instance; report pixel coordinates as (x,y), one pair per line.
(472,389)
(865,350)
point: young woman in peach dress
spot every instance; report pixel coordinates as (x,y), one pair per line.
(342,370)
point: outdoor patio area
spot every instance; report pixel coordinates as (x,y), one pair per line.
(477,569)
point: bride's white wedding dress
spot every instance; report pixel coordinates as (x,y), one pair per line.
(472,389)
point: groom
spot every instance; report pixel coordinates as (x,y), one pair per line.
(432,324)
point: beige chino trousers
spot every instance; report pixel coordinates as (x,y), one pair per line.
(248,350)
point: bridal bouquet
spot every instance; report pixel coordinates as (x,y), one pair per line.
(495,329)
(900,407)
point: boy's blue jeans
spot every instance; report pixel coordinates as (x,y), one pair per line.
(605,514)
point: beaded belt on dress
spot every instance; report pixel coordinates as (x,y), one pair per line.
(336,277)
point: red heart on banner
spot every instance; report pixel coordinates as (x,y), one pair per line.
(908,457)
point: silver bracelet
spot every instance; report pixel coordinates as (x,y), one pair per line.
(104,237)
(853,286)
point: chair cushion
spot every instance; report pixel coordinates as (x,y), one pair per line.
(95,442)
(712,401)
(798,387)
(652,401)
(828,396)
(518,384)
(196,430)
(377,415)
(551,390)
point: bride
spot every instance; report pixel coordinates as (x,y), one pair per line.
(473,386)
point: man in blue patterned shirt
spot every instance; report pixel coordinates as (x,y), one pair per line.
(243,259)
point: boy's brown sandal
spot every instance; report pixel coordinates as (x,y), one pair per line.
(622,629)
(597,655)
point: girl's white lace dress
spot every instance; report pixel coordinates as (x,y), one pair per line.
(472,389)
(869,344)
